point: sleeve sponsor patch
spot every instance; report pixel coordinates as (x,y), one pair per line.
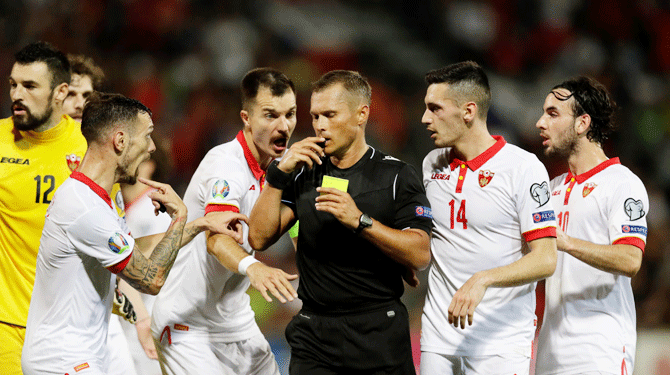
(634,229)
(539,217)
(540,193)
(117,243)
(634,209)
(424,211)
(220,189)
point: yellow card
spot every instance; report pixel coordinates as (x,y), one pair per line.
(334,182)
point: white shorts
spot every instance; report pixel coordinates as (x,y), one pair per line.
(504,364)
(197,355)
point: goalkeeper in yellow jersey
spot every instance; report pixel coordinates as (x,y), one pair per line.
(39,147)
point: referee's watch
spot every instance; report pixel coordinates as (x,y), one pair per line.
(364,221)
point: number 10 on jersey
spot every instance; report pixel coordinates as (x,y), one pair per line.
(458,216)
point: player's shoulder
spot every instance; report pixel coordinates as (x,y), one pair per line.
(225,155)
(518,154)
(621,175)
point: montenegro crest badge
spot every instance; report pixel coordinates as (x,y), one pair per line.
(72,161)
(588,188)
(485,177)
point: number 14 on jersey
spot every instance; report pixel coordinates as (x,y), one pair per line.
(458,217)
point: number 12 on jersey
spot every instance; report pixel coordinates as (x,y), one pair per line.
(458,216)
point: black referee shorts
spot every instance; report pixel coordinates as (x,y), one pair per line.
(371,342)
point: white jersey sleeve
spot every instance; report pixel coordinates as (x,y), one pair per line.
(536,212)
(226,189)
(628,214)
(99,235)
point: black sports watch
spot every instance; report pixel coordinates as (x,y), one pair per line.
(364,221)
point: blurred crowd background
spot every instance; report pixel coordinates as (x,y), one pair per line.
(184,59)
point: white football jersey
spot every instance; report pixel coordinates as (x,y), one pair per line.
(483,212)
(83,240)
(589,318)
(201,296)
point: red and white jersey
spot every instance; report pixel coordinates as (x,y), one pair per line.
(202,296)
(589,318)
(483,212)
(83,240)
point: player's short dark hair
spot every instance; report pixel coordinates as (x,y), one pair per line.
(103,112)
(592,98)
(57,63)
(468,80)
(276,81)
(85,66)
(352,81)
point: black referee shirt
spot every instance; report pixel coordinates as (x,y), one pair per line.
(341,272)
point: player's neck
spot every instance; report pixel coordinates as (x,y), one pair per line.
(587,156)
(54,120)
(473,143)
(99,169)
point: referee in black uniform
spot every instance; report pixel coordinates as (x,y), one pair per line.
(356,240)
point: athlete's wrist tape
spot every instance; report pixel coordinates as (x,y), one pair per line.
(245,263)
(276,177)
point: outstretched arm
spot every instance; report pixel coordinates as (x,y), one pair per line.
(262,277)
(538,264)
(148,275)
(621,259)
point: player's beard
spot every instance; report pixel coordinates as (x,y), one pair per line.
(127,178)
(29,122)
(564,145)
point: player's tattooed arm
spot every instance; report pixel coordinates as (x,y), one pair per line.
(149,275)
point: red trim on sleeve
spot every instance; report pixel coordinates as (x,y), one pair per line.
(539,233)
(118,267)
(630,241)
(221,208)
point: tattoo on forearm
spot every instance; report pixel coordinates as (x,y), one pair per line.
(142,273)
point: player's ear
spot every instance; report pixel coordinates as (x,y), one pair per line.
(469,112)
(582,123)
(119,140)
(60,92)
(363,114)
(244,115)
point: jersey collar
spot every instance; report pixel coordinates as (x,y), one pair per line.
(586,175)
(251,160)
(482,158)
(93,186)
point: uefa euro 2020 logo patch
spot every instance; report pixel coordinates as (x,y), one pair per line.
(220,189)
(117,243)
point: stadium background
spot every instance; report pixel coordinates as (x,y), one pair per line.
(184,59)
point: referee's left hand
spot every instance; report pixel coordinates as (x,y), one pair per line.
(339,204)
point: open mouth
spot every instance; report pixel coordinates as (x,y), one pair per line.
(280,143)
